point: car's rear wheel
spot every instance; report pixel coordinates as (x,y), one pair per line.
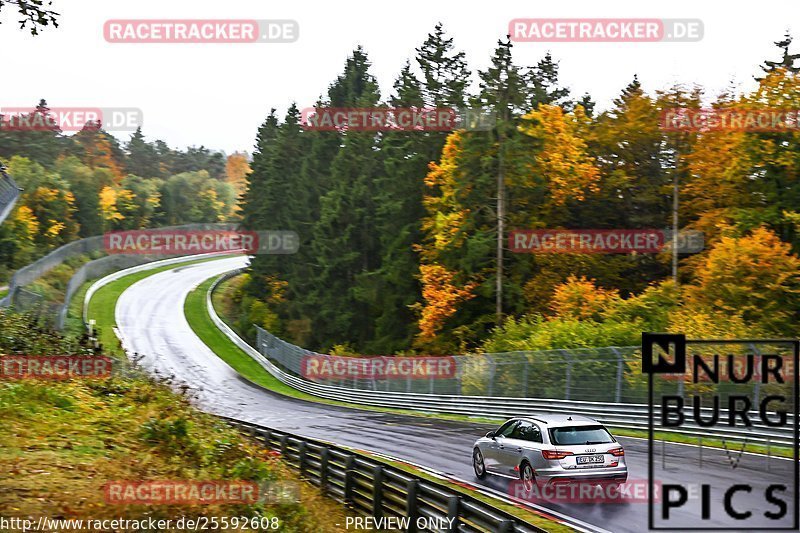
(478,464)
(527,476)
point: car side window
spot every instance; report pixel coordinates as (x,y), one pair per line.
(527,431)
(507,428)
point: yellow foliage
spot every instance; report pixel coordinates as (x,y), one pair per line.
(446,214)
(580,298)
(108,205)
(54,228)
(218,206)
(755,277)
(25,220)
(564,159)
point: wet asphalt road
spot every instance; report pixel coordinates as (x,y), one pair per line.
(151,321)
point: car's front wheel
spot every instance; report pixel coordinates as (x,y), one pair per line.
(478,464)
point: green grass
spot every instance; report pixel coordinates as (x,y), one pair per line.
(63,440)
(104,300)
(197,315)
(74,322)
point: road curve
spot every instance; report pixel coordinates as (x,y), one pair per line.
(151,322)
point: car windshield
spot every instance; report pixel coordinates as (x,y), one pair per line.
(580,435)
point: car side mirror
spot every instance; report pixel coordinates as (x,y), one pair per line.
(490,435)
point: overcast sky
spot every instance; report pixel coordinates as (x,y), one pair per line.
(218,94)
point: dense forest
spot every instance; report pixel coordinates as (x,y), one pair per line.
(88,183)
(399,229)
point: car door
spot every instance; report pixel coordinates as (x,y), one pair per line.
(525,436)
(491,454)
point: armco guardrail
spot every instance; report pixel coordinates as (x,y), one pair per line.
(29,301)
(379,490)
(620,415)
(9,193)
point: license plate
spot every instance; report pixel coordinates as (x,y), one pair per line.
(589,459)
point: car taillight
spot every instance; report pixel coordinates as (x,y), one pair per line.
(617,452)
(548,454)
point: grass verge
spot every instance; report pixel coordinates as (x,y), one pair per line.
(63,441)
(197,315)
(104,300)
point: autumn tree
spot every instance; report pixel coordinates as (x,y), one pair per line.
(237,167)
(755,277)
(580,298)
(98,149)
(86,184)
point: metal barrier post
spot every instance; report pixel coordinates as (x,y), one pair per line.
(492,368)
(412,488)
(377,492)
(302,457)
(620,362)
(769,455)
(453,504)
(568,379)
(348,479)
(525,367)
(284,439)
(323,470)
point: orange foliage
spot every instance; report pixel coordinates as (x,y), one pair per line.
(98,153)
(236,170)
(441,296)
